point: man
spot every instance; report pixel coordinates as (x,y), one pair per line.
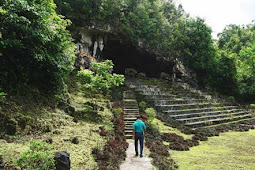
(138,130)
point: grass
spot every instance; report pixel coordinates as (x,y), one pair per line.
(166,129)
(62,130)
(231,150)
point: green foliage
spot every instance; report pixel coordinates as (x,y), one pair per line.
(143,105)
(117,112)
(231,99)
(236,43)
(2,94)
(36,49)
(201,52)
(252,106)
(100,78)
(151,112)
(38,157)
(158,25)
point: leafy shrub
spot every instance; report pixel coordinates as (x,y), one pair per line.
(117,112)
(38,157)
(143,105)
(100,77)
(252,106)
(36,49)
(151,113)
(2,94)
(231,99)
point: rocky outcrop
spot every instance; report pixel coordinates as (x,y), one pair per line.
(90,44)
(183,74)
(62,161)
(165,76)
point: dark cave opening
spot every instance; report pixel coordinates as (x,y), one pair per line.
(127,56)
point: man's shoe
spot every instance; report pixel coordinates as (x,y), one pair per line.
(136,154)
(141,156)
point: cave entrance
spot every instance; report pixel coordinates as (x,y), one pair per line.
(127,56)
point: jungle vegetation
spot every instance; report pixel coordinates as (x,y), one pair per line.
(37,51)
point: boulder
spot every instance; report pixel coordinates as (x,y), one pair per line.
(165,76)
(62,161)
(141,75)
(130,72)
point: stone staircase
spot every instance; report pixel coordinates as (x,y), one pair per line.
(189,108)
(131,111)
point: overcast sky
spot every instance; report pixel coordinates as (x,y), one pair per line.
(219,13)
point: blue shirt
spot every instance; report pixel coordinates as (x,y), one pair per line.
(139,126)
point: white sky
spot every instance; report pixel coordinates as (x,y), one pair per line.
(219,13)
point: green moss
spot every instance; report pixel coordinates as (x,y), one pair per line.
(61,136)
(61,129)
(11,151)
(232,150)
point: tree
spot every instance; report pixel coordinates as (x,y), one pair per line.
(36,49)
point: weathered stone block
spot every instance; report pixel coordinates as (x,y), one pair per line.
(62,161)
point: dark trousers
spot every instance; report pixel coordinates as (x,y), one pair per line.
(139,136)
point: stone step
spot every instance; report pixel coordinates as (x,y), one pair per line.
(190,115)
(131,110)
(130,100)
(129,122)
(128,131)
(128,126)
(218,120)
(199,110)
(130,105)
(184,106)
(130,118)
(143,86)
(173,98)
(160,96)
(131,114)
(166,92)
(129,136)
(128,113)
(195,119)
(240,121)
(154,93)
(180,101)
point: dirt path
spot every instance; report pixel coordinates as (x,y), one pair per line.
(133,162)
